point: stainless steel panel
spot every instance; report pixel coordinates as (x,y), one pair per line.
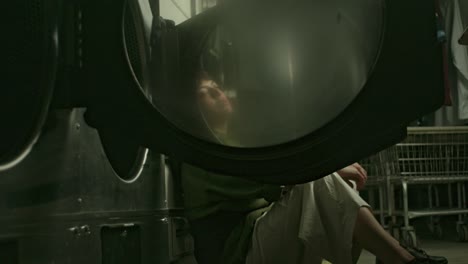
(55,204)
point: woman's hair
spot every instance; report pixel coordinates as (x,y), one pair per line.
(206,76)
(202,75)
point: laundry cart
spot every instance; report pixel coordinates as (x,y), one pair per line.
(379,168)
(435,158)
(430,156)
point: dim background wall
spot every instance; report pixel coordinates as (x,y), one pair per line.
(181,10)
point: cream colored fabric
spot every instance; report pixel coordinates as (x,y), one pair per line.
(455,13)
(460,56)
(314,221)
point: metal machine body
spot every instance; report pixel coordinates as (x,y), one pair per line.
(79,187)
(66,204)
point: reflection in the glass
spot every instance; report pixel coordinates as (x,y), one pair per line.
(273,71)
(289,73)
(215,107)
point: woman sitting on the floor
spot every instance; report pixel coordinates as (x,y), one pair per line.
(238,221)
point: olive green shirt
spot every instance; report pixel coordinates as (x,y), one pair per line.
(207,193)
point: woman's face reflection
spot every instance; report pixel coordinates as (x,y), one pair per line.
(214,104)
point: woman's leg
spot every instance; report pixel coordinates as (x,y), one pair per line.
(313,221)
(371,236)
(323,219)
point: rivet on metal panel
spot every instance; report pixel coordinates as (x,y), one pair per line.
(75,230)
(86,230)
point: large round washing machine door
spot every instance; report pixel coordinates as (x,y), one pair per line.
(29,49)
(275,91)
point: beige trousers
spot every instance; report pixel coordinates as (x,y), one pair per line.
(314,221)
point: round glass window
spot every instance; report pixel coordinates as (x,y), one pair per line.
(272,73)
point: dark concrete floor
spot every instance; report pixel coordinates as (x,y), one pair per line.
(456,253)
(447,246)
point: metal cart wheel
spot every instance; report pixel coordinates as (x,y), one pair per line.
(462,232)
(435,228)
(437,231)
(430,224)
(394,230)
(409,238)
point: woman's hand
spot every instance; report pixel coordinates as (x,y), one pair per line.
(354,173)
